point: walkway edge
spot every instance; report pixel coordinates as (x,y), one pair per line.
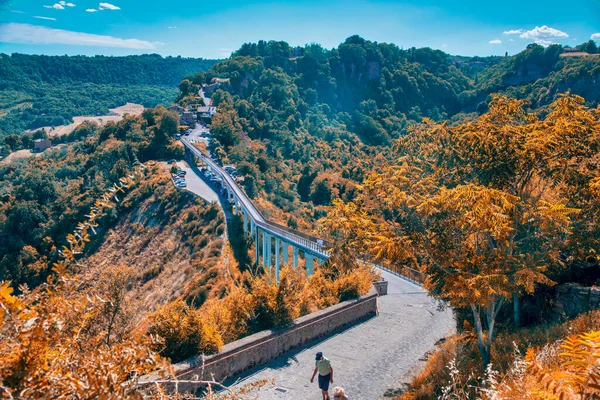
(262,347)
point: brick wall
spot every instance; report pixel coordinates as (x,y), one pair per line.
(265,346)
(573,299)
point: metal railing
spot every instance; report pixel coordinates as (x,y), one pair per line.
(306,242)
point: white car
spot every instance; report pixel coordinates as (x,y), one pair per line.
(182,184)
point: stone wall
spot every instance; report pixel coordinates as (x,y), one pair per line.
(265,346)
(573,299)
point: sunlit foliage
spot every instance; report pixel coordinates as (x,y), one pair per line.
(484,208)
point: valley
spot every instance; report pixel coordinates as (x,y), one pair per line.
(469,183)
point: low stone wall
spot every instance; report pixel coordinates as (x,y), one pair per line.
(573,299)
(265,346)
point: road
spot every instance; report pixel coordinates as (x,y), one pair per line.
(196,185)
(368,358)
(194,136)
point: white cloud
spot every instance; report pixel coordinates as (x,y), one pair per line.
(511,40)
(48,18)
(172,27)
(444,45)
(65,4)
(595,36)
(56,6)
(31,34)
(107,6)
(496,41)
(513,32)
(543,33)
(17,12)
(91,10)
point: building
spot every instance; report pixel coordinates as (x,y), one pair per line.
(207,111)
(177,108)
(188,118)
(40,145)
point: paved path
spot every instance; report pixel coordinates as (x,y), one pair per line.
(196,185)
(368,358)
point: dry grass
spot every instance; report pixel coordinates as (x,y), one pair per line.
(435,375)
(116,114)
(175,251)
(578,54)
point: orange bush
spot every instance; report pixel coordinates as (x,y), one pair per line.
(182,332)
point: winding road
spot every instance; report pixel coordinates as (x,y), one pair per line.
(368,358)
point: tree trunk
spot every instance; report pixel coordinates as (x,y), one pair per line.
(485,343)
(481,343)
(516,309)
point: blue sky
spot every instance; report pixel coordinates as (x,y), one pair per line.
(196,28)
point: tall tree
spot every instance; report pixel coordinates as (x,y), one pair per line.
(483,208)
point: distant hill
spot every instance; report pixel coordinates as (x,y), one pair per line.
(37,90)
(538,74)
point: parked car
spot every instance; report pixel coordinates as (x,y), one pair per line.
(182,184)
(181,173)
(172,161)
(207,173)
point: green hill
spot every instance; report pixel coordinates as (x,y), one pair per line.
(306,124)
(538,74)
(37,90)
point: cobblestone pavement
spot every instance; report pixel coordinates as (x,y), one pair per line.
(367,358)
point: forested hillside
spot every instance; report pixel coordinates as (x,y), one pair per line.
(306,124)
(39,90)
(539,74)
(42,200)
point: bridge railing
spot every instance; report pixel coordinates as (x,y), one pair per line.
(405,272)
(291,235)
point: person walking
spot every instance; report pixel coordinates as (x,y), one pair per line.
(325,370)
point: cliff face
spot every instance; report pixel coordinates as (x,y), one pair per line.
(172,243)
(540,75)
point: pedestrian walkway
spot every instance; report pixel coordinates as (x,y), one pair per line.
(368,358)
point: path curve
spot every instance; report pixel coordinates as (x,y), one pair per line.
(369,357)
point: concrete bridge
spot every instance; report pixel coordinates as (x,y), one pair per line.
(275,240)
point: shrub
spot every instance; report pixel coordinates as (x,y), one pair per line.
(182,332)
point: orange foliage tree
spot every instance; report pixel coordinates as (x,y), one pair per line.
(484,208)
(67,337)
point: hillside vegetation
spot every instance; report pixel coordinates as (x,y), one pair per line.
(539,74)
(305,125)
(42,199)
(39,90)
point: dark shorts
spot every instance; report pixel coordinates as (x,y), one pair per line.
(324,381)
